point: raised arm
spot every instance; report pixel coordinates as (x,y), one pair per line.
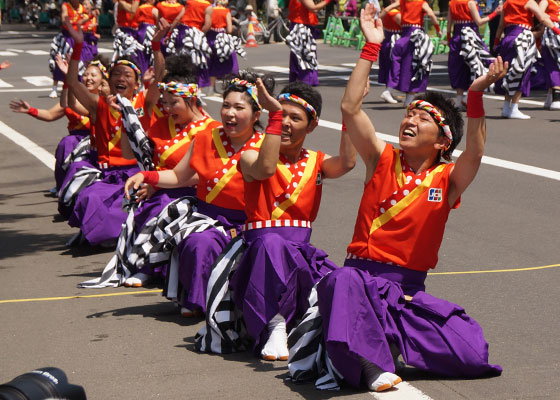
(360,128)
(430,13)
(467,164)
(83,95)
(476,16)
(152,94)
(177,19)
(52,114)
(543,17)
(229,24)
(386,10)
(261,165)
(129,7)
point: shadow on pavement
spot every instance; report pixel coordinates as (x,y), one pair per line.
(18,243)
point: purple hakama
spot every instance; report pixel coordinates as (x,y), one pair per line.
(89,49)
(384,59)
(215,67)
(552,72)
(275,276)
(198,251)
(508,51)
(309,76)
(401,73)
(459,71)
(98,210)
(63,149)
(364,313)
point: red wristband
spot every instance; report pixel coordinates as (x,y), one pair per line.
(33,111)
(77,51)
(275,123)
(556,30)
(492,15)
(156,45)
(496,41)
(438,29)
(150,177)
(370,51)
(64,85)
(344,129)
(475,105)
(448,37)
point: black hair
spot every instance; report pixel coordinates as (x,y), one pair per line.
(452,116)
(307,93)
(129,59)
(180,69)
(250,77)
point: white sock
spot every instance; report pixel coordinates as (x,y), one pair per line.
(459,100)
(375,378)
(277,344)
(55,88)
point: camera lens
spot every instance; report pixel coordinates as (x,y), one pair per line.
(44,383)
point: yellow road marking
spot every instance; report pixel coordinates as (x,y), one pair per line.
(159,290)
(81,297)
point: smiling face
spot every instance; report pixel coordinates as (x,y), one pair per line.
(177,108)
(420,133)
(123,81)
(92,78)
(295,126)
(238,117)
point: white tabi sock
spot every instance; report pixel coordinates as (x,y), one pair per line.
(276,347)
(375,378)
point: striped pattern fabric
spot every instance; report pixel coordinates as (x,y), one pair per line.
(82,178)
(60,45)
(224,331)
(125,45)
(551,41)
(79,153)
(225,45)
(422,54)
(296,223)
(195,44)
(308,359)
(474,52)
(139,142)
(303,45)
(526,55)
(147,43)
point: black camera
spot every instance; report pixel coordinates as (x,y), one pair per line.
(41,384)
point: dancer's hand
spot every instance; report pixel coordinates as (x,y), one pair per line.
(112,102)
(372,28)
(145,192)
(5,64)
(62,64)
(20,106)
(265,99)
(133,182)
(162,28)
(496,71)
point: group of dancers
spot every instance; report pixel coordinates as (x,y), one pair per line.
(220,211)
(405,60)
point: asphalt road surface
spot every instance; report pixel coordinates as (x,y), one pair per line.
(499,258)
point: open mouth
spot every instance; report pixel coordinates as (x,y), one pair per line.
(408,133)
(120,88)
(230,124)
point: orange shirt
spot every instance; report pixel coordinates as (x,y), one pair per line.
(516,14)
(169,10)
(91,25)
(108,131)
(412,13)
(220,183)
(553,10)
(401,220)
(77,122)
(172,143)
(194,13)
(299,14)
(389,22)
(144,15)
(459,10)
(293,192)
(219,17)
(74,15)
(125,19)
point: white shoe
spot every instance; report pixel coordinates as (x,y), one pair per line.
(53,94)
(276,347)
(386,96)
(516,114)
(139,279)
(187,313)
(555,105)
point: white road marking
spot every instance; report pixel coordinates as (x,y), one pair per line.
(7,53)
(25,90)
(37,52)
(102,50)
(38,80)
(15,50)
(5,84)
(271,68)
(333,68)
(31,147)
(403,391)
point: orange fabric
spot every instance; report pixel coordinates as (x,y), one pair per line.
(299,14)
(219,17)
(194,13)
(411,12)
(389,21)
(553,10)
(76,121)
(144,15)
(74,15)
(263,197)
(91,25)
(459,10)
(125,19)
(171,143)
(209,164)
(108,129)
(412,238)
(169,10)
(516,14)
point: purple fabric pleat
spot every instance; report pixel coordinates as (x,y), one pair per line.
(459,71)
(64,210)
(364,314)
(275,276)
(400,75)
(66,145)
(311,77)
(217,68)
(385,58)
(551,71)
(143,58)
(508,51)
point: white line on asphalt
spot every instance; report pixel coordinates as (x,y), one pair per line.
(5,84)
(37,52)
(34,149)
(102,50)
(15,50)
(272,68)
(38,80)
(403,391)
(333,68)
(7,53)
